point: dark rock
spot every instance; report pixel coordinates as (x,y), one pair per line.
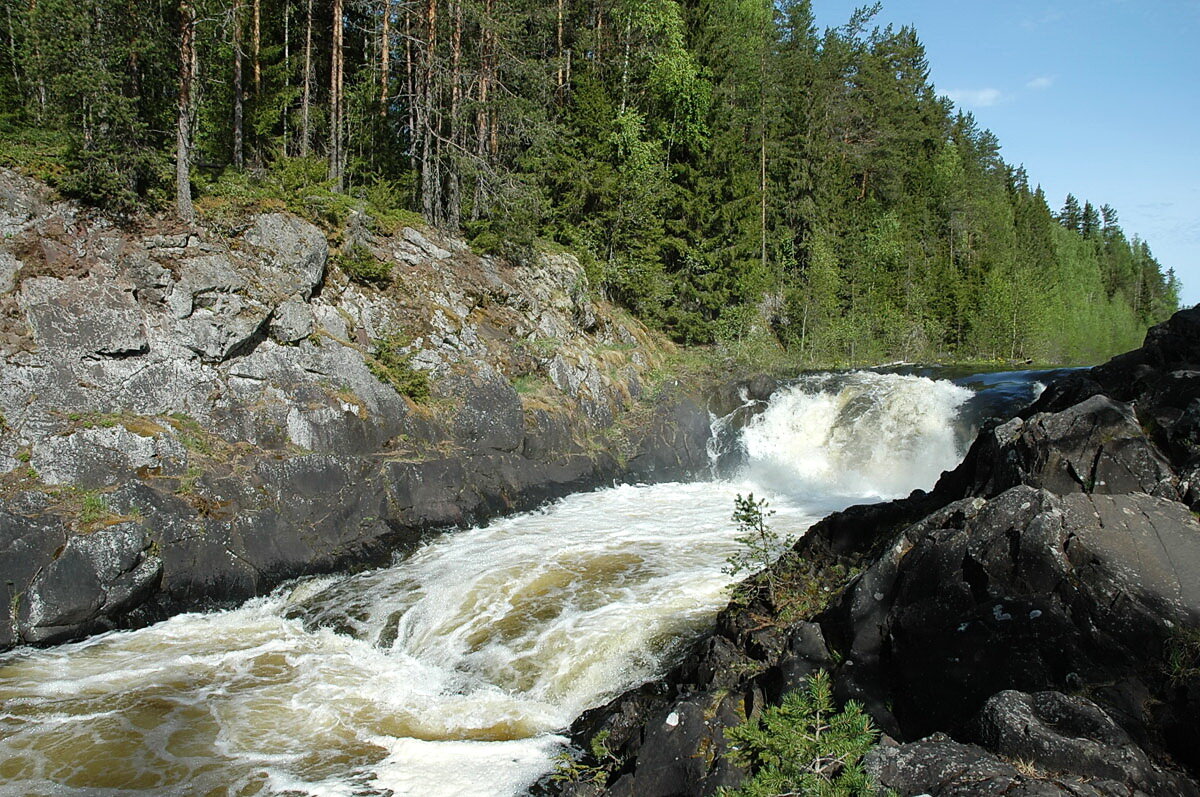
(1026,591)
(1096,446)
(92,580)
(938,766)
(26,545)
(681,750)
(1071,734)
(672,443)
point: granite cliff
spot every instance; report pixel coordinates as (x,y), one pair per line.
(190,416)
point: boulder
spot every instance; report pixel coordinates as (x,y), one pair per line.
(1027,591)
(93,579)
(83,317)
(1061,733)
(293,251)
(293,321)
(938,766)
(9,266)
(1095,446)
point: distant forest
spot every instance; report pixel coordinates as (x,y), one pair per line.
(724,169)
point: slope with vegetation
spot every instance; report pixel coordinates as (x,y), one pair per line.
(721,167)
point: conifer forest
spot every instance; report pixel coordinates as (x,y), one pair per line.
(724,169)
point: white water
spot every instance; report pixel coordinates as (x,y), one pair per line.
(451,672)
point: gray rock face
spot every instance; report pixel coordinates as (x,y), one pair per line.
(228,394)
(1096,446)
(101,457)
(21,201)
(293,321)
(83,318)
(294,252)
(9,266)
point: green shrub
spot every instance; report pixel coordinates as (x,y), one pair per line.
(1183,656)
(805,746)
(363,267)
(93,508)
(392,366)
(301,185)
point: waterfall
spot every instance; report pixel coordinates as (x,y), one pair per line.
(452,671)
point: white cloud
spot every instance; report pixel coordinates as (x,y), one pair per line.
(976,98)
(1049,17)
(1040,83)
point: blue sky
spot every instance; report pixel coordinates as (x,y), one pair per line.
(1100,98)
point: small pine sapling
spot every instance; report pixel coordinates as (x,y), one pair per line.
(805,746)
(760,544)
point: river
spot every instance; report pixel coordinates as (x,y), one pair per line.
(455,670)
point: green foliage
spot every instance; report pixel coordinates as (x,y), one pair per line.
(760,544)
(302,185)
(528,384)
(805,588)
(1183,656)
(392,366)
(192,435)
(362,266)
(569,769)
(805,746)
(93,508)
(722,168)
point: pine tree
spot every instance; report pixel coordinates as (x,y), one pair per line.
(805,746)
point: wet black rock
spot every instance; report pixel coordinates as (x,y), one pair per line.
(1019,628)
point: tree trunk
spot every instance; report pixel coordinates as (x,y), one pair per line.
(479,201)
(430,184)
(561,71)
(336,113)
(183,128)
(238,154)
(38,66)
(12,54)
(385,45)
(453,190)
(257,45)
(410,87)
(287,69)
(306,96)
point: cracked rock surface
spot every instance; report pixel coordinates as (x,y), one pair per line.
(189,417)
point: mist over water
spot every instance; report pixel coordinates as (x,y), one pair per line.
(452,671)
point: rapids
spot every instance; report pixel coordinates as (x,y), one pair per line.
(453,671)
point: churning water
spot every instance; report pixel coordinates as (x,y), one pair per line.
(452,671)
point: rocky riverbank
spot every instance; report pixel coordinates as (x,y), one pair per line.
(1031,626)
(189,417)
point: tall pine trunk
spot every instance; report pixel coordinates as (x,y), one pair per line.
(430,182)
(238,154)
(385,45)
(337,155)
(453,188)
(306,95)
(256,47)
(183,127)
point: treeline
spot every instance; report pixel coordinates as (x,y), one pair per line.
(723,168)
